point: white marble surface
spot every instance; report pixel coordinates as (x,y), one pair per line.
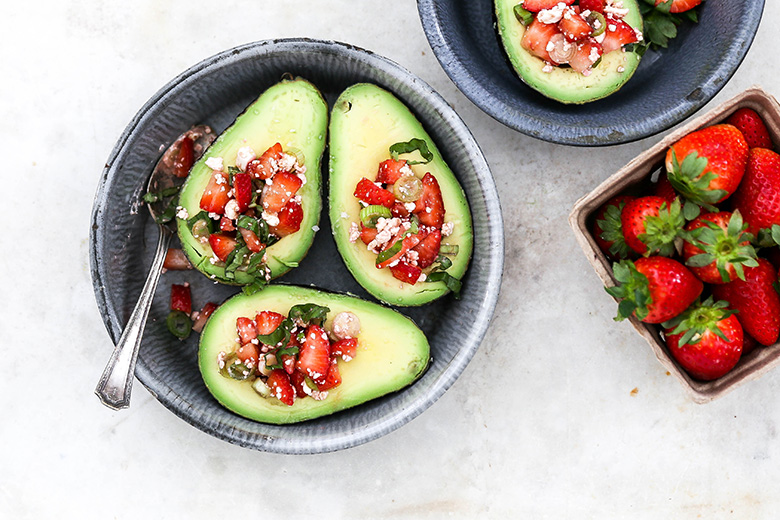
(542,421)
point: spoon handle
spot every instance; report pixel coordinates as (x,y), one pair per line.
(117,379)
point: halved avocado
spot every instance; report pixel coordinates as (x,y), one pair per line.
(562,83)
(294,114)
(392,353)
(366,120)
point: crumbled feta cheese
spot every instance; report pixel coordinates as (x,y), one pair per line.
(302,177)
(354,232)
(182,213)
(220,178)
(405,170)
(271,218)
(552,15)
(446,229)
(410,206)
(315,228)
(548,68)
(621,69)
(214,216)
(422,277)
(244,156)
(612,27)
(215,163)
(286,163)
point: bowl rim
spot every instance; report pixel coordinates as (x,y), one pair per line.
(495,255)
(507,114)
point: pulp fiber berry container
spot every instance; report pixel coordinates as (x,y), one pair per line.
(635,178)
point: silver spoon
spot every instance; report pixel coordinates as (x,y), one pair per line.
(115,384)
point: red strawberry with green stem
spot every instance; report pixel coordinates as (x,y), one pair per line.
(752,127)
(758,197)
(706,339)
(608,230)
(706,166)
(756,300)
(717,247)
(654,289)
(651,225)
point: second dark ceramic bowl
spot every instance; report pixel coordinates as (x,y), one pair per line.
(123,239)
(669,85)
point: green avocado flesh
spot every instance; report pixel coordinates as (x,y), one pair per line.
(294,114)
(366,120)
(392,353)
(564,84)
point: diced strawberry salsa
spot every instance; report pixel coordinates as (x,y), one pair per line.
(249,206)
(291,357)
(574,33)
(402,219)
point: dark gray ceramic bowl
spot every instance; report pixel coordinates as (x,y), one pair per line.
(669,85)
(123,238)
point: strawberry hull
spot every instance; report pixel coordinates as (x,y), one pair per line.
(636,178)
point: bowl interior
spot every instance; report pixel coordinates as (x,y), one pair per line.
(123,238)
(669,85)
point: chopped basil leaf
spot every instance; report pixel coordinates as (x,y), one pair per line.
(452,283)
(309,313)
(280,335)
(154,196)
(411,146)
(249,223)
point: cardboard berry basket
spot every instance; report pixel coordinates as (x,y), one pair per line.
(635,178)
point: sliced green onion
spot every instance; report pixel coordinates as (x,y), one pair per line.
(179,324)
(239,371)
(415,226)
(596,20)
(261,388)
(297,153)
(370,215)
(523,16)
(449,249)
(389,253)
(408,188)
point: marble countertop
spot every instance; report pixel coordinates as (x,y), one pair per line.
(561,414)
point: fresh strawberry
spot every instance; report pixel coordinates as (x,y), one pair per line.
(706,340)
(608,230)
(290,218)
(185,157)
(617,34)
(717,248)
(752,127)
(281,387)
(664,189)
(407,243)
(537,36)
(251,240)
(242,190)
(288,363)
(390,171)
(428,249)
(215,196)
(758,197)
(593,5)
(372,194)
(344,348)
(333,379)
(314,358)
(588,52)
(405,272)
(247,330)
(399,210)
(749,343)
(367,234)
(222,245)
(654,289)
(651,225)
(176,260)
(248,353)
(202,316)
(432,214)
(707,165)
(267,322)
(298,381)
(225,224)
(283,187)
(679,6)
(264,166)
(756,300)
(181,298)
(537,5)
(574,26)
